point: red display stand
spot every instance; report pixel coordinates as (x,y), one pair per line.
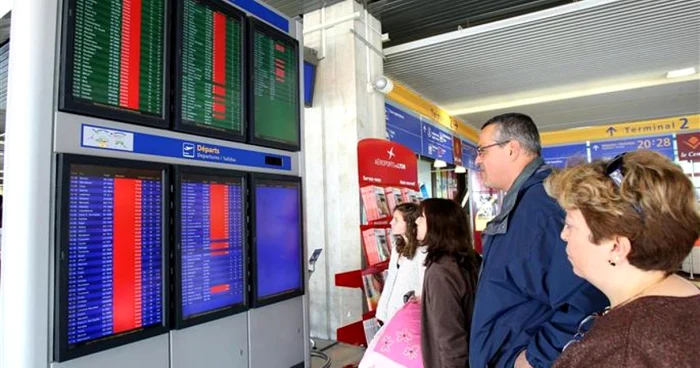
(388,175)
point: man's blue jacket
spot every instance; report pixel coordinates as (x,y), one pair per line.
(528,297)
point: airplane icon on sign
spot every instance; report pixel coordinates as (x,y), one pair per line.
(188,150)
(391,153)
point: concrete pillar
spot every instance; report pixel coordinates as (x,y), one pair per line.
(346,110)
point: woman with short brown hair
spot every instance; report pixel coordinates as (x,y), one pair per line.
(630,223)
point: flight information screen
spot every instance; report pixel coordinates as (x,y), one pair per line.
(212,223)
(275,87)
(211,67)
(278,249)
(116,55)
(115,261)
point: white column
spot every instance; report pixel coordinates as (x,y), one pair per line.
(345,111)
(27,200)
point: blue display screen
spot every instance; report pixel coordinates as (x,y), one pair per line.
(115,265)
(278,233)
(309,80)
(212,219)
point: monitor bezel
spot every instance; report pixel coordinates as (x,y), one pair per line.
(69,103)
(177,31)
(178,321)
(62,350)
(256,300)
(257,25)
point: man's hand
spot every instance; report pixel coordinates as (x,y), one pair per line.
(521,361)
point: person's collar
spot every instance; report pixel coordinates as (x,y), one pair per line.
(499,225)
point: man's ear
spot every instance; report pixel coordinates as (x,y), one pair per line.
(514,150)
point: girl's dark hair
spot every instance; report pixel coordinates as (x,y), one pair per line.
(448,234)
(410,214)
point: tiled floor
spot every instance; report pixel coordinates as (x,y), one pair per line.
(341,355)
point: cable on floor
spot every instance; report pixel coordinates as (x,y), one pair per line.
(320,355)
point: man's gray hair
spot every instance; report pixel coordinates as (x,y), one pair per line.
(518,127)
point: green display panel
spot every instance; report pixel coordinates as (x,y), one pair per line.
(211,69)
(114,60)
(275,88)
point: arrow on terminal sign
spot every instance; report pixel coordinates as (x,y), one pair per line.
(611,131)
(595,148)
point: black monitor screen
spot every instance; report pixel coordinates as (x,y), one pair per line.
(113,62)
(111,267)
(211,217)
(275,88)
(210,65)
(277,246)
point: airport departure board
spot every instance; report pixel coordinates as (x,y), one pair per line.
(112,251)
(275,88)
(212,243)
(210,69)
(277,246)
(114,60)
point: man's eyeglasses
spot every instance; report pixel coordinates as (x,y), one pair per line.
(480,150)
(583,328)
(616,172)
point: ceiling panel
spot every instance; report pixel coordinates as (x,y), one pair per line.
(634,105)
(612,43)
(410,20)
(293,8)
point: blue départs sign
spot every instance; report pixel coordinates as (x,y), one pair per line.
(563,156)
(263,12)
(148,144)
(606,150)
(437,142)
(469,155)
(403,127)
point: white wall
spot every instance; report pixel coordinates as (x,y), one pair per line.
(345,111)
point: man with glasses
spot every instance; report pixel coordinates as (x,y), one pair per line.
(528,302)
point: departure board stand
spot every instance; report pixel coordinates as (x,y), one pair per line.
(90,84)
(292,341)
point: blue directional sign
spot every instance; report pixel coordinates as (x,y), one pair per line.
(564,156)
(606,150)
(403,127)
(468,155)
(437,141)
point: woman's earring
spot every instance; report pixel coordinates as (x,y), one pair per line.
(612,263)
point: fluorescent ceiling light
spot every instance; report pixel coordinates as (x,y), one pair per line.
(680,73)
(530,18)
(460,169)
(439,164)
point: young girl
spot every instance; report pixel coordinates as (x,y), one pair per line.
(405,265)
(449,285)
